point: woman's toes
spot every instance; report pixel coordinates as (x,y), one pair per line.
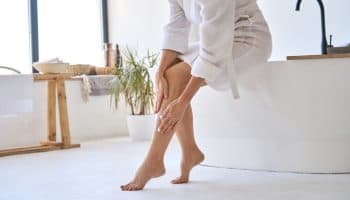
(125,187)
(134,187)
(180,180)
(175,181)
(130,187)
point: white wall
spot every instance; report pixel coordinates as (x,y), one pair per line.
(139,23)
(92,120)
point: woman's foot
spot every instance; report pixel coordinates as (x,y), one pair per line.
(189,161)
(147,171)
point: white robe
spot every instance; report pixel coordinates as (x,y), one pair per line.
(233,35)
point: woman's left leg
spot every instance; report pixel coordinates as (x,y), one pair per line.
(153,166)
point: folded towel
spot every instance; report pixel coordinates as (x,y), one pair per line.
(97,85)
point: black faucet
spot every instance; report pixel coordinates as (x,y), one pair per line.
(323,23)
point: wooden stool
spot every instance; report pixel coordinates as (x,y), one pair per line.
(56,88)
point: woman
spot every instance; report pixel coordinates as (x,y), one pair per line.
(234,37)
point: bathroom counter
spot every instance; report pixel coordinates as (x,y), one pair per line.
(307,57)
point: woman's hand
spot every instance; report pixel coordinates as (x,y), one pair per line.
(162,90)
(175,110)
(170,117)
(167,59)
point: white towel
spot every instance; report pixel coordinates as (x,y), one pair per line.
(98,85)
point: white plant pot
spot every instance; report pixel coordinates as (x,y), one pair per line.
(141,127)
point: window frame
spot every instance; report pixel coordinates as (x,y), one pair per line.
(34,31)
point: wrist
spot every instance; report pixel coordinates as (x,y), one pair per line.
(183,100)
(191,89)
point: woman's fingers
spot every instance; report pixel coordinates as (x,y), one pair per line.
(164,123)
(167,124)
(170,127)
(160,98)
(165,113)
(163,92)
(165,88)
(164,119)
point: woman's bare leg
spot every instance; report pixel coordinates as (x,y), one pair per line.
(191,154)
(153,166)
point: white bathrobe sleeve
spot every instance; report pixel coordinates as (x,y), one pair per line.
(176,32)
(216,32)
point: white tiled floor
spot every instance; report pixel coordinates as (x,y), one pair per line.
(95,171)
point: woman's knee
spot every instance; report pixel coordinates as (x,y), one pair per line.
(177,76)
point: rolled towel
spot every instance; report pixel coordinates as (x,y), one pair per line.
(97,85)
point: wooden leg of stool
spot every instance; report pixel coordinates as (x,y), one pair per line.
(63,110)
(51,111)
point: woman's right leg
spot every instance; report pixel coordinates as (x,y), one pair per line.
(191,154)
(153,166)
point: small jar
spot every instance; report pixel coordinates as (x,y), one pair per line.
(109,55)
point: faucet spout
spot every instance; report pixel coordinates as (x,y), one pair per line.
(11,69)
(298,5)
(324,43)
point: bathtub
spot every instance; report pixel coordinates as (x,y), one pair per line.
(293,116)
(16,94)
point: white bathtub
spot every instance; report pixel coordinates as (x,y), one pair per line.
(292,116)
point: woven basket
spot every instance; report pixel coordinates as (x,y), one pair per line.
(77,70)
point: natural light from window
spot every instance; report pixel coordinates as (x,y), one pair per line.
(71,30)
(14,36)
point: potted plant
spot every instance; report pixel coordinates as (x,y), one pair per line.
(133,83)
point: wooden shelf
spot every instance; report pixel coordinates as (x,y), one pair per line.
(47,77)
(328,56)
(35,149)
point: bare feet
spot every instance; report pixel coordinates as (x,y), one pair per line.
(188,162)
(147,171)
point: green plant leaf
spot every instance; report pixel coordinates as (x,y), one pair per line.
(134,82)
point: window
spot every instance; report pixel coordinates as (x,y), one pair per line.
(14,36)
(71,31)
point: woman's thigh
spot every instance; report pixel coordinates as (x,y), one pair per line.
(179,61)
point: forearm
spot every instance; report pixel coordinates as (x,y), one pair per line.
(167,59)
(191,89)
